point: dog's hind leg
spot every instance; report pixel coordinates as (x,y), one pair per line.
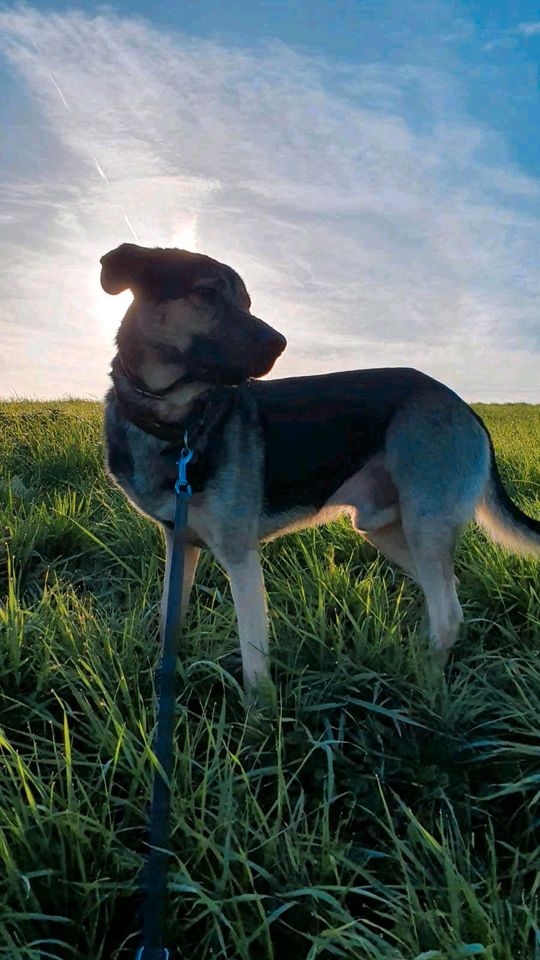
(431,545)
(370,498)
(438,457)
(191,559)
(390,540)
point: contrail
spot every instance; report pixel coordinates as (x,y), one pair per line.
(97,164)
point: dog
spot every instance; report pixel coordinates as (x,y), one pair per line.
(400,453)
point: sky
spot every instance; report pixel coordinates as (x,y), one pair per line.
(371,169)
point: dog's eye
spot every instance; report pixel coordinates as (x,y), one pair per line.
(207,294)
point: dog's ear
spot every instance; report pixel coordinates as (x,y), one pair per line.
(123,267)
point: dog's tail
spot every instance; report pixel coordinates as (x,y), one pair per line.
(502,520)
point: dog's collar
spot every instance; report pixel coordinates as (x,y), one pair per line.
(207,411)
(140,387)
(206,415)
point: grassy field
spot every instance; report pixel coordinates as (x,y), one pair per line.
(387,812)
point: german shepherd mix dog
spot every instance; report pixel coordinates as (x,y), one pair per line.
(400,453)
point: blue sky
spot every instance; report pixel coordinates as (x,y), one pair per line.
(487,44)
(372,170)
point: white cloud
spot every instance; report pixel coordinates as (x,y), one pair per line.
(529,29)
(365,241)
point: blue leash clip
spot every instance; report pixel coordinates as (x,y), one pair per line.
(140,953)
(182,487)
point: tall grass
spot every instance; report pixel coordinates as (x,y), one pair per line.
(387,811)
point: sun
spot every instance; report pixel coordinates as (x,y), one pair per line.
(110,310)
(186,236)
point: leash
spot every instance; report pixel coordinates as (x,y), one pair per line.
(155,884)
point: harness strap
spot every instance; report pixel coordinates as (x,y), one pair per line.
(155,873)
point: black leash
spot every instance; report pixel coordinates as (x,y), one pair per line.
(155,882)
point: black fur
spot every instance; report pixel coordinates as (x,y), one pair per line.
(119,456)
(306,460)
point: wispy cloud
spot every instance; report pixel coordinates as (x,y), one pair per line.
(512,37)
(367,237)
(529,29)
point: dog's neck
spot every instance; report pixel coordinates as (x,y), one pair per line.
(164,400)
(140,385)
(192,407)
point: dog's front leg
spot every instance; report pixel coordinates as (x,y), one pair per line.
(191,559)
(249,597)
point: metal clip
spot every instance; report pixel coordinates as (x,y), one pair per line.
(182,487)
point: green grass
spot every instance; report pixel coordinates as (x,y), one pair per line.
(387,812)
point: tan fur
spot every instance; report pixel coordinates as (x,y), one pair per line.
(501,527)
(175,322)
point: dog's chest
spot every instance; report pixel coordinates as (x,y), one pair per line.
(226,478)
(134,460)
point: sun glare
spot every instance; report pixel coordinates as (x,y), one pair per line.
(186,237)
(110,310)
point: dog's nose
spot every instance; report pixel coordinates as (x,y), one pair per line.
(275,341)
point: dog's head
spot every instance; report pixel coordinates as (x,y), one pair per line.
(193,311)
